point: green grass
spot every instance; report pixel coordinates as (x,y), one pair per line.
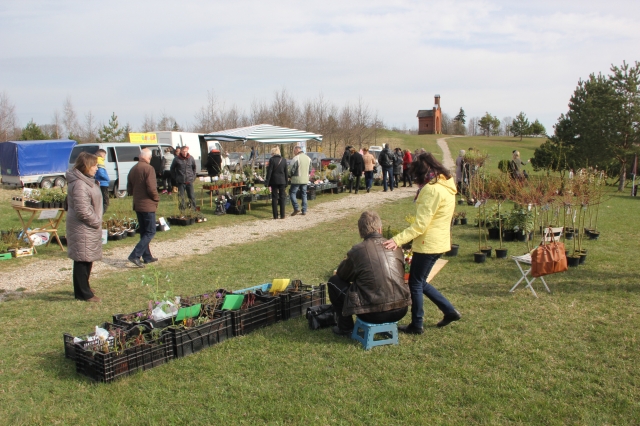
(498,148)
(411,142)
(570,357)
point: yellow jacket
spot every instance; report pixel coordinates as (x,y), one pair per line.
(430,232)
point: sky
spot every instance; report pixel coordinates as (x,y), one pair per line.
(138,58)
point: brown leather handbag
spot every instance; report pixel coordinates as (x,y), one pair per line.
(548,259)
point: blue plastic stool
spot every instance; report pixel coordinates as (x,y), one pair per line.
(364,332)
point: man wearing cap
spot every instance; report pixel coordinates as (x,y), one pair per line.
(299,172)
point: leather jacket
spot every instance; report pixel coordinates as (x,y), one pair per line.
(376,276)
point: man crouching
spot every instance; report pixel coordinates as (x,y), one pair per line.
(370,281)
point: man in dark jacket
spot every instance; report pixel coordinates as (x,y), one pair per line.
(184,169)
(370,281)
(356,166)
(385,159)
(142,185)
(346,159)
(214,163)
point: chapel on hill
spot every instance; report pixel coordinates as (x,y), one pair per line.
(430,120)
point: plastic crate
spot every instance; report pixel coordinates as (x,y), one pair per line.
(264,312)
(119,320)
(294,303)
(70,347)
(261,287)
(187,341)
(107,367)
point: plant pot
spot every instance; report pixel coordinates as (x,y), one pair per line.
(573,261)
(594,235)
(406,277)
(587,231)
(501,253)
(479,257)
(456,221)
(494,233)
(454,250)
(521,236)
(583,258)
(487,251)
(568,236)
(192,221)
(463,221)
(508,235)
(131,233)
(460,202)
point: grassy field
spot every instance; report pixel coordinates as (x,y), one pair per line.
(569,357)
(498,148)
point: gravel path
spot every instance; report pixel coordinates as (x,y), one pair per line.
(447,160)
(43,273)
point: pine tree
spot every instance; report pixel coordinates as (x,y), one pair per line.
(489,124)
(33,132)
(111,132)
(537,128)
(520,125)
(461,117)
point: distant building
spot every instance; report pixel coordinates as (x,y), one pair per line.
(430,120)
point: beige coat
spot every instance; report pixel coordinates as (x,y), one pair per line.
(84,218)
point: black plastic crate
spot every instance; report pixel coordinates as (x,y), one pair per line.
(264,312)
(295,300)
(119,319)
(107,367)
(70,347)
(187,341)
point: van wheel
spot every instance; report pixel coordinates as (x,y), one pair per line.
(46,184)
(60,182)
(120,193)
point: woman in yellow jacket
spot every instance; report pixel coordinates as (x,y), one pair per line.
(430,234)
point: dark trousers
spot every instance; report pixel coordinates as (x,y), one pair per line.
(406,176)
(278,197)
(368,179)
(147,226)
(387,172)
(166,179)
(105,198)
(337,294)
(357,183)
(396,180)
(188,187)
(81,273)
(421,266)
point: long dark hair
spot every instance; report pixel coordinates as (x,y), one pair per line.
(425,169)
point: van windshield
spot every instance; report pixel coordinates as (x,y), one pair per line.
(91,149)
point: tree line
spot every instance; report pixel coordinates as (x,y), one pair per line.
(354,123)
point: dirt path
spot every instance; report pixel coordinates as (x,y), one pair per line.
(42,273)
(447,160)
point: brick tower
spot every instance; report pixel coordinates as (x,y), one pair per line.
(430,120)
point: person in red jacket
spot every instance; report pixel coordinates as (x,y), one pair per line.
(406,164)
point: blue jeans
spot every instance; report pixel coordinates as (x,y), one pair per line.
(368,179)
(147,226)
(293,190)
(387,171)
(421,265)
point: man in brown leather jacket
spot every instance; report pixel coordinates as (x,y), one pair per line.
(370,281)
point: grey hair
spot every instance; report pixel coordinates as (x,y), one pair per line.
(368,223)
(462,153)
(145,153)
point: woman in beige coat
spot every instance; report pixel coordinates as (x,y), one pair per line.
(84,223)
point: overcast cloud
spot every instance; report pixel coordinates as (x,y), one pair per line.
(149,57)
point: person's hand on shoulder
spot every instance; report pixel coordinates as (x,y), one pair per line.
(390,244)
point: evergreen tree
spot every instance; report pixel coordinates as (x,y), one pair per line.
(461,117)
(489,124)
(33,132)
(112,132)
(537,128)
(520,125)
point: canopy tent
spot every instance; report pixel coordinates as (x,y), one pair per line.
(263,133)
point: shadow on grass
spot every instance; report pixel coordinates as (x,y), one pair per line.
(55,364)
(53,296)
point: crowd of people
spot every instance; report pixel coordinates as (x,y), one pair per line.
(368,283)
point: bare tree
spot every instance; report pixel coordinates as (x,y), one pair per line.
(8,118)
(148,124)
(207,119)
(362,124)
(505,128)
(446,124)
(284,111)
(70,119)
(56,131)
(90,130)
(473,126)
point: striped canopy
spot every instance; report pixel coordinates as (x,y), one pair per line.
(264,133)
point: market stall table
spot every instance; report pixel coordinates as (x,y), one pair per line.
(235,190)
(54,216)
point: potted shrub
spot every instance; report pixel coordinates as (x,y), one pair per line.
(478,190)
(499,190)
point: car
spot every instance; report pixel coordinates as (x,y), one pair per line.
(316,159)
(262,159)
(236,160)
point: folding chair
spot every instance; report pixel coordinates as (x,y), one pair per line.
(549,235)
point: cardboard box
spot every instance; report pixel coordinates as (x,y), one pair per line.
(22,252)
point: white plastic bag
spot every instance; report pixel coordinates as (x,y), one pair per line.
(164,310)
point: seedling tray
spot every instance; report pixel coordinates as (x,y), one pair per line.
(70,347)
(187,341)
(295,300)
(264,312)
(107,367)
